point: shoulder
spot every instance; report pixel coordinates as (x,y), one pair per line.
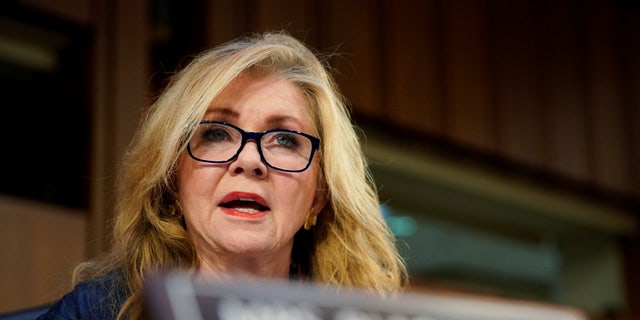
(98,298)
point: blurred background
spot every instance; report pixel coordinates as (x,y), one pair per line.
(504,136)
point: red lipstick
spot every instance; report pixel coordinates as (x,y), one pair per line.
(244,204)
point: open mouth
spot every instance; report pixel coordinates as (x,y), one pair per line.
(245,205)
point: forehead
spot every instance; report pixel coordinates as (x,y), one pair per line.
(259,97)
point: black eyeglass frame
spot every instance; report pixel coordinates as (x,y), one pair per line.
(256,137)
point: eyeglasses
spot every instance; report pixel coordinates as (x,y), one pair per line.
(285,150)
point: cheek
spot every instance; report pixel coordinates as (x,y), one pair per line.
(194,179)
(319,189)
(305,190)
(184,176)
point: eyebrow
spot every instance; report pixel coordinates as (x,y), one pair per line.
(271,120)
(222,111)
(278,119)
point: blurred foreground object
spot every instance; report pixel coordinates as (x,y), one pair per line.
(181,296)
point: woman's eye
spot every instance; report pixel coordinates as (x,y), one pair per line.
(286,140)
(216,134)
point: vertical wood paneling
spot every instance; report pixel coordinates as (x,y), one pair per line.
(467,79)
(41,244)
(121,52)
(414,75)
(604,93)
(103,165)
(631,250)
(291,15)
(538,82)
(75,10)
(353,28)
(563,93)
(515,56)
(631,80)
(131,69)
(225,20)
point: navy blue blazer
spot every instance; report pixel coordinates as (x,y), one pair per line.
(99,298)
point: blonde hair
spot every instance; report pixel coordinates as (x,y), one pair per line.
(350,245)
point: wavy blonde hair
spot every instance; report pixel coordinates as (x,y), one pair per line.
(350,244)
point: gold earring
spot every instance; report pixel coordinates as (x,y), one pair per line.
(310,220)
(176,209)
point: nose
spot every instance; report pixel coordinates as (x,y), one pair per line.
(248,161)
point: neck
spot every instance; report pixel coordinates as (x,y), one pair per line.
(261,267)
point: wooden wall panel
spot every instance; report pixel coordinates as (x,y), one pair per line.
(605,99)
(40,246)
(631,249)
(631,83)
(122,42)
(414,73)
(515,68)
(551,85)
(78,11)
(563,90)
(468,118)
(355,29)
(296,16)
(225,20)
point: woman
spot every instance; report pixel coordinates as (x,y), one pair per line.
(247,164)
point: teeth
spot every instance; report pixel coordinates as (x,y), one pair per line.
(247,210)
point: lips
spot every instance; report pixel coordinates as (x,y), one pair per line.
(242,203)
